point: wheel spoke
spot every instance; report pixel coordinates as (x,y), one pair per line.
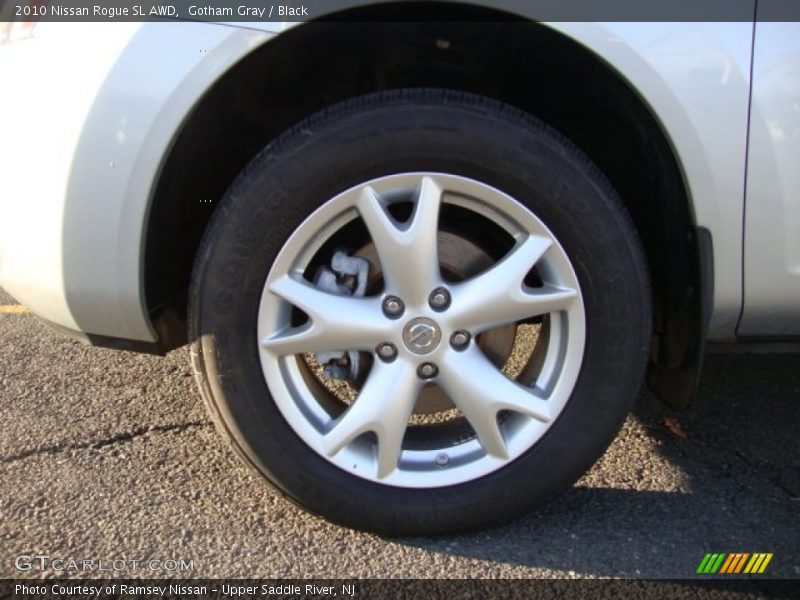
(383,407)
(499,296)
(407,251)
(480,391)
(335,322)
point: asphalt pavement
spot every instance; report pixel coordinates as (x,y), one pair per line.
(108,455)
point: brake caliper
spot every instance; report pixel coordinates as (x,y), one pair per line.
(347,277)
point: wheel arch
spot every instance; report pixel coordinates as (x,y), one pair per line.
(478,50)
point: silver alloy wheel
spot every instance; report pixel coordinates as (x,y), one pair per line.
(507,417)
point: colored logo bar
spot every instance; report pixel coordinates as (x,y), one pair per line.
(734,562)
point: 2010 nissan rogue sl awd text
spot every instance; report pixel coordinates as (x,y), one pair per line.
(423,266)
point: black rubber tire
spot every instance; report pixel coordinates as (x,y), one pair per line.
(419,130)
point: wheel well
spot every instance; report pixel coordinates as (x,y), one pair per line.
(454,46)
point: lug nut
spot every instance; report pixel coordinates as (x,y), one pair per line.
(439,299)
(386,351)
(459,340)
(393,307)
(427,371)
(442,459)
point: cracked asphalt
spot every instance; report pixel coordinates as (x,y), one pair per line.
(109,455)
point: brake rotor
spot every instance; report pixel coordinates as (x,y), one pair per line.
(459,259)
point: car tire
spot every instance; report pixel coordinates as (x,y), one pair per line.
(536,262)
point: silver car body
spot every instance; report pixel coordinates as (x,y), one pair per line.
(91,111)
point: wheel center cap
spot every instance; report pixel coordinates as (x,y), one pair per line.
(422,335)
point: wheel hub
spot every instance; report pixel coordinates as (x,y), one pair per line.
(422,336)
